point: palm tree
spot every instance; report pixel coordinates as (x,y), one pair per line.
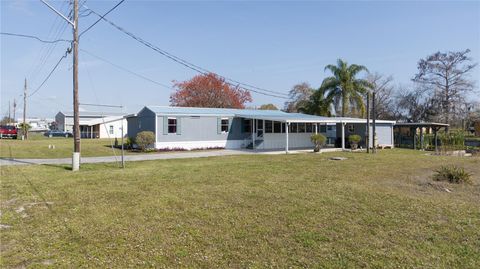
(345,86)
(319,104)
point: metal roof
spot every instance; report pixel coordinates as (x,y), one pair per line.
(211,111)
(93,114)
(273,115)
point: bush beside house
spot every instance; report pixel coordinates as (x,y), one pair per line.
(354,140)
(318,140)
(145,139)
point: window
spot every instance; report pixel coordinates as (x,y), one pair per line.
(329,127)
(323,128)
(268,126)
(309,128)
(111,129)
(293,127)
(224,125)
(351,128)
(301,127)
(277,127)
(247,126)
(283,127)
(172,126)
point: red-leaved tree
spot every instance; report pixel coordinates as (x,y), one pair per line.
(209,90)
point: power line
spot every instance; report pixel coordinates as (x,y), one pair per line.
(51,72)
(191,65)
(35,37)
(56,30)
(101,17)
(126,70)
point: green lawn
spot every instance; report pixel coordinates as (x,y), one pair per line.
(243,211)
(37,147)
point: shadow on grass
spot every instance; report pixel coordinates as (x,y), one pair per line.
(60,166)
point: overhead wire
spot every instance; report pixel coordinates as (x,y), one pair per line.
(190,65)
(50,73)
(57,29)
(101,17)
(126,70)
(35,37)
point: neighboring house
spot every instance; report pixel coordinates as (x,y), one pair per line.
(36,124)
(202,128)
(94,124)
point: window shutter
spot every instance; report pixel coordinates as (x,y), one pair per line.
(179,126)
(219,125)
(165,125)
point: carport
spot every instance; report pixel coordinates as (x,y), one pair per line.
(413,128)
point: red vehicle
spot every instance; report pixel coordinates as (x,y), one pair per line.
(8,131)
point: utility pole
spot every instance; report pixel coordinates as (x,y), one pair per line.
(76,117)
(24,127)
(368,122)
(9,112)
(374,116)
(14,110)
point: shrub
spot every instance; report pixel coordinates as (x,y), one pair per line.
(144,139)
(318,140)
(354,138)
(454,140)
(452,174)
(129,142)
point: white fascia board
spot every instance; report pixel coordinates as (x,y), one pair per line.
(193,115)
(306,121)
(365,121)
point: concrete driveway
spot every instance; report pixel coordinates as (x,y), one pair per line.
(128,158)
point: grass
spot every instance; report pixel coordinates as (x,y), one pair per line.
(244,211)
(36,147)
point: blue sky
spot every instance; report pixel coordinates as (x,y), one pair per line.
(272,45)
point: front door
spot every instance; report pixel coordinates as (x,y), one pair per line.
(259,132)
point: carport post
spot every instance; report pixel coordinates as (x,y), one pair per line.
(343,136)
(421,138)
(287,126)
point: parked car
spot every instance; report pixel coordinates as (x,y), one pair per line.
(8,131)
(58,133)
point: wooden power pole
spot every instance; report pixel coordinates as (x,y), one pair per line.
(14,110)
(24,127)
(76,116)
(374,117)
(368,122)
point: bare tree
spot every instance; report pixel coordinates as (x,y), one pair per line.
(415,104)
(299,96)
(384,99)
(447,76)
